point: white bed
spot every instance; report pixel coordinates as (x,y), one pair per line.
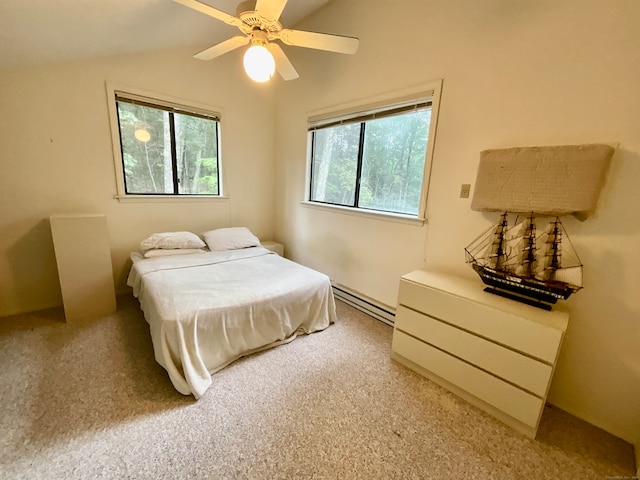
(206,310)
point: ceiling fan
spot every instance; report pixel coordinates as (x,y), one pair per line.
(258,21)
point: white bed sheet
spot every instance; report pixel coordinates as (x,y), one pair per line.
(206,310)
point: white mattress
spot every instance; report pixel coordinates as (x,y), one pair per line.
(205,310)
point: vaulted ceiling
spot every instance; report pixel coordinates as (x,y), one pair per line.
(51,31)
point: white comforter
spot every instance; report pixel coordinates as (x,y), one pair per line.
(205,310)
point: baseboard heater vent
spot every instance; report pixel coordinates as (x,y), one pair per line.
(363,305)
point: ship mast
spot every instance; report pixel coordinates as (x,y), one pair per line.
(529,249)
(497,255)
(552,250)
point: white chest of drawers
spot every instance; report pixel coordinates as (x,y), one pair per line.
(496,353)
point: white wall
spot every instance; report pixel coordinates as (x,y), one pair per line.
(57,158)
(515,73)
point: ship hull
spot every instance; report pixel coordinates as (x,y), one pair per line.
(531,291)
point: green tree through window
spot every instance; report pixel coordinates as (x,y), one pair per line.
(374,162)
(166,151)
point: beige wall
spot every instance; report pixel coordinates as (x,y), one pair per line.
(525,72)
(518,73)
(57,158)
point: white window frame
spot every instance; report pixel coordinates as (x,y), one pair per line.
(161,100)
(431,90)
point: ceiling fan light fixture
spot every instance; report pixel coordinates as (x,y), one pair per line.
(259,63)
(258,20)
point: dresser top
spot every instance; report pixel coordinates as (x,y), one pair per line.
(474,291)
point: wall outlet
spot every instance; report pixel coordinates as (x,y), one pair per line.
(465,188)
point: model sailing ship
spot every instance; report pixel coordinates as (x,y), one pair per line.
(515,263)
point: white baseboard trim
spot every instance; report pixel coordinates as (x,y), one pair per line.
(369,306)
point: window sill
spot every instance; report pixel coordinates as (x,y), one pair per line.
(167,198)
(384,216)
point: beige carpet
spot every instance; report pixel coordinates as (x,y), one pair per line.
(89,401)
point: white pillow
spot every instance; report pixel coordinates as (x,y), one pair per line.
(172,240)
(163,252)
(230,238)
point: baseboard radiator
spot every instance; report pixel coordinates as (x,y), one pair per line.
(364,305)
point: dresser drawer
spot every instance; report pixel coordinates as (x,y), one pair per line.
(525,372)
(534,339)
(518,404)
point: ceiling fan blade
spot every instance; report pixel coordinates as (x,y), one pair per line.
(222,48)
(320,41)
(283,65)
(212,12)
(270,9)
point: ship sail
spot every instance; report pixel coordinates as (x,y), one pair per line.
(550,253)
(557,259)
(495,254)
(525,258)
(570,275)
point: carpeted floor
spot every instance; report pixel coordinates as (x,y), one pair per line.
(88,400)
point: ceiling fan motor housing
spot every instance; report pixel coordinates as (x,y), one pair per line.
(258,37)
(252,20)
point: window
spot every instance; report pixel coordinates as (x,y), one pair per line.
(167,149)
(375,159)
